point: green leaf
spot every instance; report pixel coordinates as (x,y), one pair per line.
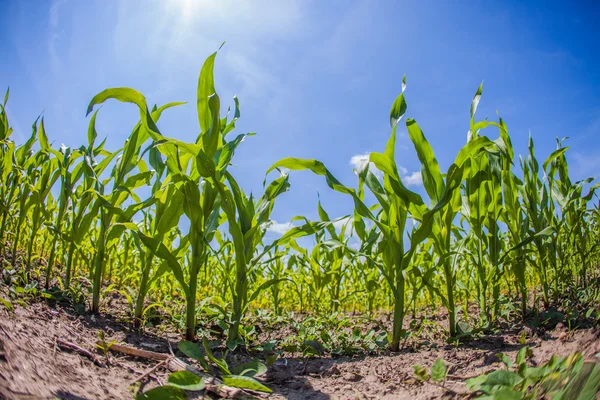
(245,382)
(191,350)
(420,372)
(186,380)
(476,99)
(205,165)
(161,251)
(265,286)
(315,166)
(315,346)
(226,153)
(584,386)
(438,370)
(7,304)
(43,138)
(504,378)
(123,94)
(398,110)
(523,354)
(92,134)
(505,359)
(206,88)
(432,177)
(508,394)
(222,364)
(162,393)
(555,154)
(251,368)
(128,95)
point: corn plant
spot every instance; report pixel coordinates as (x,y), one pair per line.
(26,173)
(68,178)
(7,174)
(486,231)
(398,203)
(128,174)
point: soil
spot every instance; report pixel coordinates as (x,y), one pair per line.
(36,364)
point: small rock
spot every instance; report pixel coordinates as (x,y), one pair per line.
(334,370)
(352,377)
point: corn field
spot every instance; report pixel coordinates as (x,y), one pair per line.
(165,224)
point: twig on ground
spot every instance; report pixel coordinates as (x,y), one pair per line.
(174,364)
(132,351)
(68,329)
(151,370)
(6,333)
(79,350)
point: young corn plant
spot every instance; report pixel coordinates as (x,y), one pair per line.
(21,176)
(335,257)
(189,171)
(129,173)
(38,194)
(483,231)
(41,190)
(540,213)
(8,175)
(68,178)
(247,225)
(398,203)
(199,171)
(167,211)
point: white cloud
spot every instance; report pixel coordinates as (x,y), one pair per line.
(280,228)
(408,178)
(358,161)
(414,179)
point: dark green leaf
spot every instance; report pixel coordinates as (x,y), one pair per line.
(438,370)
(162,393)
(245,382)
(251,368)
(186,380)
(191,350)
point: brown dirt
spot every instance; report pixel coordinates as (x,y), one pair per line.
(34,366)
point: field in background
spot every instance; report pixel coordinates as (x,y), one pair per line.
(155,246)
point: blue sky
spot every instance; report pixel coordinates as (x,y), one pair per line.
(315,79)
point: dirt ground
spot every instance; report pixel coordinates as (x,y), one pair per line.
(35,362)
